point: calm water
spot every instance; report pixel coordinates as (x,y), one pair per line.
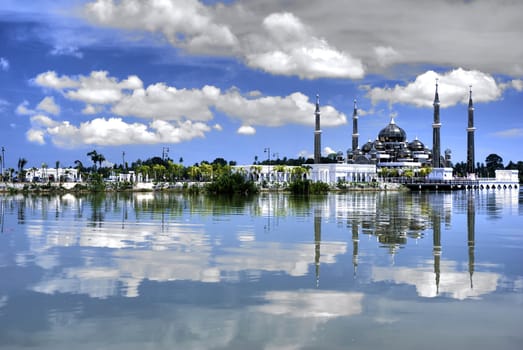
(351,271)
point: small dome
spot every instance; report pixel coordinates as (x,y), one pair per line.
(378,145)
(392,133)
(416,146)
(367,147)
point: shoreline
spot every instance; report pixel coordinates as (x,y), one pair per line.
(85,187)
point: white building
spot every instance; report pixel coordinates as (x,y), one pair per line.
(52,174)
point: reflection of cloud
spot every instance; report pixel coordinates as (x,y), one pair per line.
(452,283)
(117,256)
(293,259)
(311,303)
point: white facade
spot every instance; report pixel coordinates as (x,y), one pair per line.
(46,174)
(333,172)
(441,174)
(507,176)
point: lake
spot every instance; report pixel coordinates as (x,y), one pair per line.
(362,270)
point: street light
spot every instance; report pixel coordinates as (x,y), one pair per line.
(268,151)
(3,162)
(165,152)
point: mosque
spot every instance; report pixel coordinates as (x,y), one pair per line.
(390,149)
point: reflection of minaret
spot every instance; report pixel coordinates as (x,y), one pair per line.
(355,127)
(471,218)
(470,137)
(355,241)
(436,154)
(317,243)
(436,250)
(317,133)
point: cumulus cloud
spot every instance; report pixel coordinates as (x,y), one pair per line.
(185,23)
(92,109)
(246,130)
(274,37)
(112,132)
(217,127)
(289,48)
(4,64)
(453,89)
(128,98)
(48,105)
(276,111)
(279,44)
(23,109)
(169,103)
(97,88)
(327,150)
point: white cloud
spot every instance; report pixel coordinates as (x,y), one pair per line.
(185,23)
(23,109)
(112,132)
(453,89)
(327,150)
(48,105)
(246,130)
(290,49)
(276,111)
(217,127)
(92,109)
(168,103)
(4,64)
(49,79)
(36,136)
(510,133)
(97,88)
(128,98)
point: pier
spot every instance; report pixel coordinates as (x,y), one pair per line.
(458,184)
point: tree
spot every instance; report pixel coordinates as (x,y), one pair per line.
(21,164)
(96,158)
(493,162)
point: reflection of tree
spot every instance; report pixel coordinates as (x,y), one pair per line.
(317,243)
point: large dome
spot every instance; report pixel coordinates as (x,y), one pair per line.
(392,133)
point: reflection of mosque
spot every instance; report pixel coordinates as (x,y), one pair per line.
(395,218)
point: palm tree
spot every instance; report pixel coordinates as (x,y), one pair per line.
(21,164)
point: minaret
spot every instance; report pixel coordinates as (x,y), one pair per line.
(470,137)
(317,133)
(355,127)
(436,153)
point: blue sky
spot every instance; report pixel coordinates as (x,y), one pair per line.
(210,79)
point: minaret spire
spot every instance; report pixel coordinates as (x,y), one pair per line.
(470,135)
(317,133)
(355,134)
(436,125)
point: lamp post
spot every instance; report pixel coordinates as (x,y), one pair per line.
(3,162)
(268,151)
(165,152)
